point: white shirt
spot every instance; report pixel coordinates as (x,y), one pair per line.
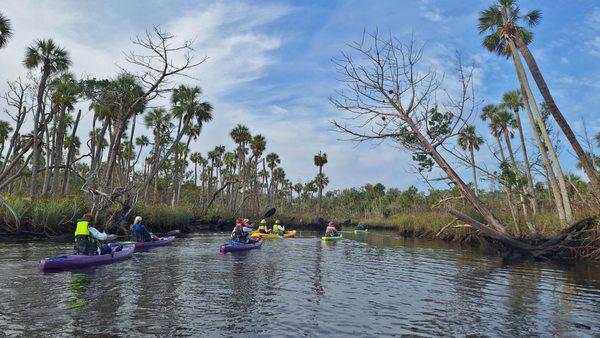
(101,236)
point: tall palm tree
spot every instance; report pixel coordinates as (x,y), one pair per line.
(501,24)
(50,58)
(469,140)
(513,100)
(196,158)
(5,130)
(522,41)
(5,30)
(320,160)
(186,103)
(272,162)
(65,92)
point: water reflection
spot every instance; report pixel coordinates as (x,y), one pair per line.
(376,285)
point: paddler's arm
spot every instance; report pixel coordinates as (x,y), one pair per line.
(101,236)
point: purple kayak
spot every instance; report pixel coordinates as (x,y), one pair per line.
(143,246)
(232,246)
(69,262)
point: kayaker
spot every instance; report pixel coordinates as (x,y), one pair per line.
(238,234)
(280,229)
(360,227)
(87,238)
(262,228)
(140,233)
(248,227)
(276,227)
(331,230)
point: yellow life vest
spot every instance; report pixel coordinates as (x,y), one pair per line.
(262,228)
(82,228)
(275,227)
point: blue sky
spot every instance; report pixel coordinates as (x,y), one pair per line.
(270,64)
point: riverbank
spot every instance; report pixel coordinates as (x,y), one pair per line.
(49,220)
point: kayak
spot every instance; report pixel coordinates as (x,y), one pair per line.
(331,238)
(357,232)
(233,246)
(287,234)
(143,246)
(69,262)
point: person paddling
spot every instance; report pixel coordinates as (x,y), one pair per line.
(239,234)
(360,227)
(331,230)
(87,238)
(280,228)
(262,228)
(140,232)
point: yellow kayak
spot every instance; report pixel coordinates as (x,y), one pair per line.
(287,234)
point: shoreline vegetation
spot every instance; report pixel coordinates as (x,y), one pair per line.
(520,201)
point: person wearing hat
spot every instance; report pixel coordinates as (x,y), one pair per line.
(247,225)
(140,233)
(262,228)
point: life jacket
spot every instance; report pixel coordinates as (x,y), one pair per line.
(275,228)
(82,228)
(262,228)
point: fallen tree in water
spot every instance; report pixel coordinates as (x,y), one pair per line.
(390,97)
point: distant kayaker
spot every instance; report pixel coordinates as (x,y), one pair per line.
(87,238)
(276,227)
(280,228)
(331,230)
(140,233)
(239,234)
(262,228)
(360,227)
(247,225)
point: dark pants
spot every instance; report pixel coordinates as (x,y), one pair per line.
(85,245)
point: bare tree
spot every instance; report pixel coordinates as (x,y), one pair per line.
(392,96)
(158,59)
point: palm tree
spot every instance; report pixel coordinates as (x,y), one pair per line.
(5,30)
(65,93)
(513,100)
(320,160)
(186,104)
(196,158)
(522,41)
(159,121)
(501,24)
(272,162)
(468,139)
(51,58)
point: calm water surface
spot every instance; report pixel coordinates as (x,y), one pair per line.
(376,285)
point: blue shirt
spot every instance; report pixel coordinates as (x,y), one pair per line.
(138,227)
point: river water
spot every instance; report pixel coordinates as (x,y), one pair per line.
(373,285)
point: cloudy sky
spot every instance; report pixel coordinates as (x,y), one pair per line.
(270,66)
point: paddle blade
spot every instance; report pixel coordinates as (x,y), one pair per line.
(270,213)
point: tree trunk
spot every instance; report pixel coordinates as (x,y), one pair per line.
(540,123)
(516,167)
(58,149)
(530,190)
(36,141)
(559,117)
(70,154)
(474,171)
(549,171)
(48,162)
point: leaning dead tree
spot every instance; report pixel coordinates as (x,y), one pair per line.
(157,59)
(390,94)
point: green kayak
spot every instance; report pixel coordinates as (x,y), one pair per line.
(331,238)
(358,232)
